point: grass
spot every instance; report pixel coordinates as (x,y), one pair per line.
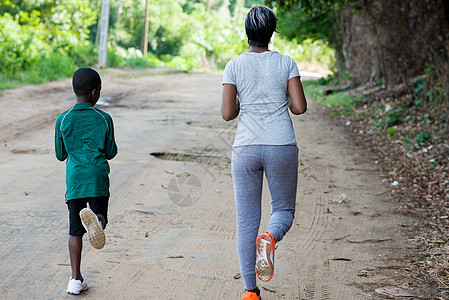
(49,68)
(150,72)
(338,102)
(58,66)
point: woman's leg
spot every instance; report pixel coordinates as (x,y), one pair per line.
(281,170)
(247,175)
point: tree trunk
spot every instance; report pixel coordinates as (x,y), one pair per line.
(390,41)
(147,26)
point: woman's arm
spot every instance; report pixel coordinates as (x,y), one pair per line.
(230,105)
(296,93)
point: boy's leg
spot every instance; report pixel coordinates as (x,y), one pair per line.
(247,175)
(76,232)
(99,206)
(281,170)
(75,248)
(102,220)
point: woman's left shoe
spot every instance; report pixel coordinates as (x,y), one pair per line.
(265,256)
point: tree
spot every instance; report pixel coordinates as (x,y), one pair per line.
(33,30)
(315,20)
(376,41)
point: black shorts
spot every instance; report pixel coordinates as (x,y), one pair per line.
(99,205)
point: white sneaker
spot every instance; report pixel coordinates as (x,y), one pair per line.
(76,286)
(95,233)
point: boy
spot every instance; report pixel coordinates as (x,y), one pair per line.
(84,135)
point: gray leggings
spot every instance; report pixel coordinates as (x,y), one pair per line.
(280,164)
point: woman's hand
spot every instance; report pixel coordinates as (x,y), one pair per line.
(298,99)
(230,105)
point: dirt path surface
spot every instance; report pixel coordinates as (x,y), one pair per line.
(172,221)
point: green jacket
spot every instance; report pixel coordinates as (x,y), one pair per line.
(84,135)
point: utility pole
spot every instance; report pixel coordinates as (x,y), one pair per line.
(104,26)
(147,26)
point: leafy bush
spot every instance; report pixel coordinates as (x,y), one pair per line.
(21,46)
(83,54)
(184,35)
(338,103)
(180,63)
(43,40)
(395,116)
(55,66)
(123,58)
(312,51)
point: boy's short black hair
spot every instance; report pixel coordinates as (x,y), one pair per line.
(260,23)
(85,80)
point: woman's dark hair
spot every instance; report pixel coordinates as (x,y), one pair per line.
(260,23)
(85,80)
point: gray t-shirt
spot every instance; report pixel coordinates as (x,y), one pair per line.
(261,81)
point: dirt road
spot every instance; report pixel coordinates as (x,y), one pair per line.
(172,222)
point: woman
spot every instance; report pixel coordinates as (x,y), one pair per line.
(261,85)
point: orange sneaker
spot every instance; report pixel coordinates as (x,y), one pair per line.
(251,296)
(265,256)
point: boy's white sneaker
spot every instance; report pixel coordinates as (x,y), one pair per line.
(95,233)
(76,286)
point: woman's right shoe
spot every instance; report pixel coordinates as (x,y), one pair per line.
(250,296)
(265,256)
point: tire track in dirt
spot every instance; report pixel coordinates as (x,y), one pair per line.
(319,185)
(320,217)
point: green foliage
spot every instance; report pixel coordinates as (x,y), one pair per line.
(311,51)
(20,46)
(395,116)
(53,67)
(120,58)
(420,85)
(38,39)
(83,54)
(210,31)
(422,137)
(182,33)
(418,140)
(338,102)
(313,89)
(48,68)
(392,118)
(308,19)
(312,7)
(35,35)
(391,132)
(315,20)
(133,58)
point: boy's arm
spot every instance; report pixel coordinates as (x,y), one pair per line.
(60,151)
(111,149)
